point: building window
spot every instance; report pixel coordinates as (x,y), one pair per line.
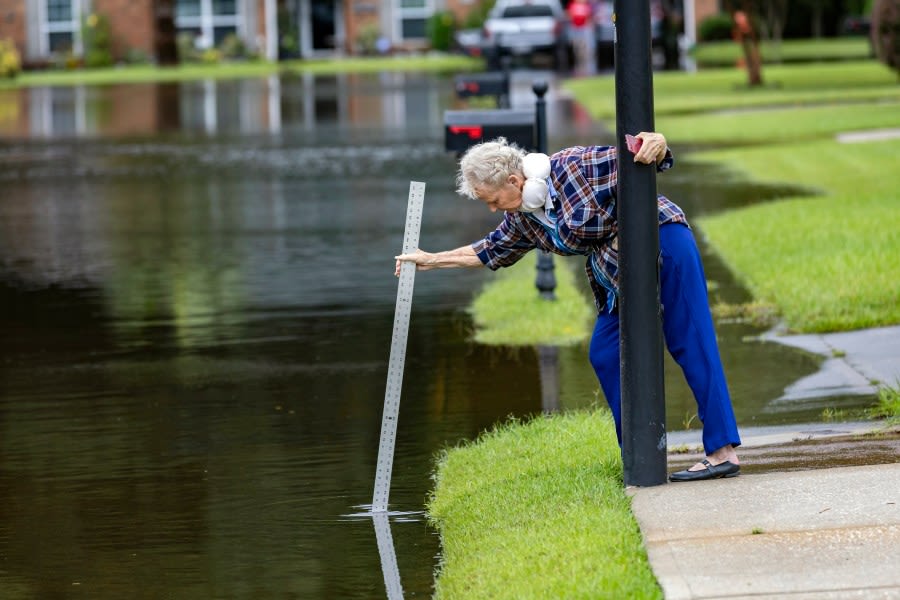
(211,21)
(60,29)
(413,15)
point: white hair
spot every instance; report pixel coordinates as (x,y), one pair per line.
(488,164)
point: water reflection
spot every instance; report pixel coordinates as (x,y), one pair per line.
(273,105)
(548,366)
(389,566)
(196,295)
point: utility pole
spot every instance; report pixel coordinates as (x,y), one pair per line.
(640,323)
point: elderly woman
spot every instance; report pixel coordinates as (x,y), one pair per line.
(566,204)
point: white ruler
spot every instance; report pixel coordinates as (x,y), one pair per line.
(398,350)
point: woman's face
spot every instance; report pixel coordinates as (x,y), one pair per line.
(507,197)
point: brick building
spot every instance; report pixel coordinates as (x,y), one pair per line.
(42,29)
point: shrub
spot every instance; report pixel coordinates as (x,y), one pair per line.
(886,32)
(367,38)
(233,47)
(441,26)
(187,49)
(136,56)
(716,27)
(478,15)
(97,39)
(10,61)
(211,56)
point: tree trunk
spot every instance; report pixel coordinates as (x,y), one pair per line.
(746,36)
(817,11)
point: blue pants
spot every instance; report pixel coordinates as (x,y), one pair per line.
(690,339)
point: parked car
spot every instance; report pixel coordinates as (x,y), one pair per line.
(605,29)
(525,27)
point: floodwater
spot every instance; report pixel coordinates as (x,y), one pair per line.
(196,300)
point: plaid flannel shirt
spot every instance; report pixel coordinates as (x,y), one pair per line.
(583,188)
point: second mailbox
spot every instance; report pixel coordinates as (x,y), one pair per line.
(492,83)
(465,128)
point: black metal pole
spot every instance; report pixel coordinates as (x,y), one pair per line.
(546,278)
(643,398)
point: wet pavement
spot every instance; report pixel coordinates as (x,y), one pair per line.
(800,447)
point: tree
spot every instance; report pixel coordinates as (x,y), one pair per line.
(774,16)
(886,32)
(745,35)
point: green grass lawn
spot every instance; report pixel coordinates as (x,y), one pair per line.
(829,262)
(779,126)
(537,510)
(239,70)
(677,93)
(510,312)
(825,261)
(723,53)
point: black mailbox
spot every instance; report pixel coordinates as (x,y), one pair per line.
(465,128)
(484,84)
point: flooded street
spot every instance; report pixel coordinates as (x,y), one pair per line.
(196,300)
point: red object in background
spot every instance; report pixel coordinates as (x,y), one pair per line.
(634,144)
(579,13)
(473,131)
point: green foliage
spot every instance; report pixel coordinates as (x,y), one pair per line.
(136,56)
(537,510)
(96,36)
(716,27)
(185,42)
(440,28)
(211,56)
(888,405)
(233,48)
(886,32)
(366,38)
(478,15)
(10,61)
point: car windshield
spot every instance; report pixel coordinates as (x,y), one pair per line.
(527,10)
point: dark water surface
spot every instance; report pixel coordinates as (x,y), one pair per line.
(196,302)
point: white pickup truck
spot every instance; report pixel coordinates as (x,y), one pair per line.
(525,27)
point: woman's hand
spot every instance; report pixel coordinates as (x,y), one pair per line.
(463,256)
(419,257)
(653,148)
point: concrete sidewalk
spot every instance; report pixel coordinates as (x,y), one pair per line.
(828,533)
(803,532)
